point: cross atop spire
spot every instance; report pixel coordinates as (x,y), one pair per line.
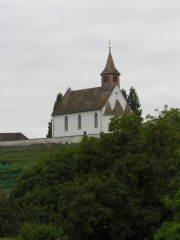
(109,46)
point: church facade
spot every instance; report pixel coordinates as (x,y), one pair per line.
(89,111)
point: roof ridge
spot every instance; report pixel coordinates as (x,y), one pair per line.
(84,89)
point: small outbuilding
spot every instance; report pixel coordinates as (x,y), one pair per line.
(12,137)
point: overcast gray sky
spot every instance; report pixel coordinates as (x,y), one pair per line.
(47,46)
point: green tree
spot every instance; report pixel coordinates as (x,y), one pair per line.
(58,99)
(9,215)
(107,188)
(124,93)
(133,101)
(49,134)
(38,231)
(11,238)
(171,230)
(37,191)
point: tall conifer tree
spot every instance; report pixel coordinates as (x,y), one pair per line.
(133,101)
(124,93)
(58,99)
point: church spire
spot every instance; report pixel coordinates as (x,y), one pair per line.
(110,75)
(110,67)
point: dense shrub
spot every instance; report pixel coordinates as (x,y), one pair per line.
(106,188)
(36,231)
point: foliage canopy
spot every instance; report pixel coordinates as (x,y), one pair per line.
(111,187)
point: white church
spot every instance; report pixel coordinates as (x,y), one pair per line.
(89,111)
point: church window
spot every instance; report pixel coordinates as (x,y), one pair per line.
(95,120)
(79,121)
(66,123)
(105,78)
(114,78)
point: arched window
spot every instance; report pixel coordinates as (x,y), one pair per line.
(79,121)
(95,120)
(66,123)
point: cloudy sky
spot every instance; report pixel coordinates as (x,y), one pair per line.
(47,46)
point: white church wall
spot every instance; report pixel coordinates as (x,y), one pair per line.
(116,94)
(105,123)
(87,124)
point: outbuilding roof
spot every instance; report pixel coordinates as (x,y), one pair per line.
(12,136)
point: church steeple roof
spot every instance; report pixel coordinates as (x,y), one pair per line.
(110,67)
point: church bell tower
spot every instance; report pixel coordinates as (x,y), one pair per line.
(110,76)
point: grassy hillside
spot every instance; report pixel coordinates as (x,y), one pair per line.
(13,160)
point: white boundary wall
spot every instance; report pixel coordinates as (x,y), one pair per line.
(45,141)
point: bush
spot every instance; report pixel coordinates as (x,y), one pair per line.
(10,239)
(35,231)
(9,215)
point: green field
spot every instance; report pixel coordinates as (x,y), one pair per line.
(13,160)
